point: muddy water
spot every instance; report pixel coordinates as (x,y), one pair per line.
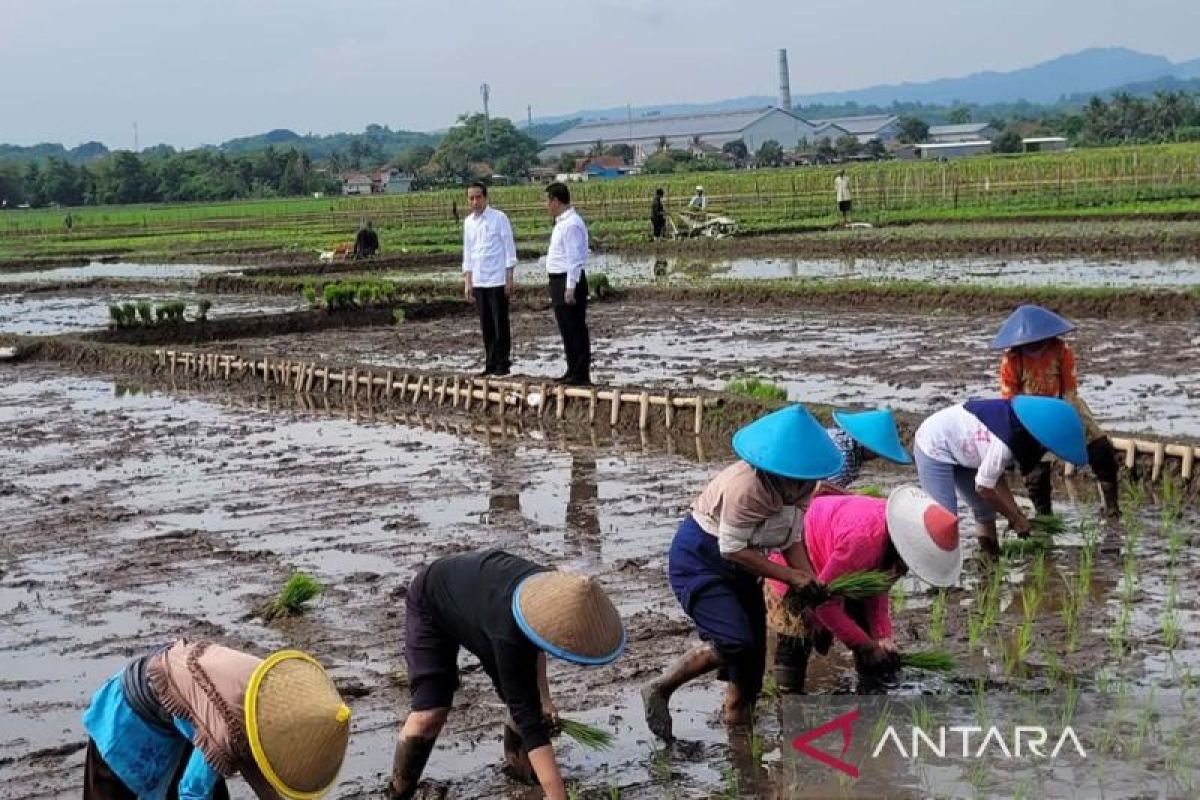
(1137,376)
(133,516)
(104,269)
(43,314)
(1142,273)
(1139,273)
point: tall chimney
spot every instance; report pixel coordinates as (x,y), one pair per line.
(785,88)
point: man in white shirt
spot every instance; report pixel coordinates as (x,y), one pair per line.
(489,257)
(568,283)
(699,202)
(841,187)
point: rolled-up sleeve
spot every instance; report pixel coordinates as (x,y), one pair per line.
(996,460)
(199,779)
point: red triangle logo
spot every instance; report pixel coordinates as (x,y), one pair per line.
(845,724)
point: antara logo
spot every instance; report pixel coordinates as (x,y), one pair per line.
(845,724)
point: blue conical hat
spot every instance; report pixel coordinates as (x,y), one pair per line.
(791,443)
(876,431)
(1028,324)
(1055,424)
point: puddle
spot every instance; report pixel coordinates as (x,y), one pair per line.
(44,314)
(99,269)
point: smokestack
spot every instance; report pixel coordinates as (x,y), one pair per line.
(785,88)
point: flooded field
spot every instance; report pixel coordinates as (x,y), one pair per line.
(134,516)
(1136,273)
(47,313)
(115,269)
(1138,377)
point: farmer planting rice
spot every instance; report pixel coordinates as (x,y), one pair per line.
(970,446)
(181,720)
(845,534)
(717,558)
(1037,361)
(861,437)
(509,613)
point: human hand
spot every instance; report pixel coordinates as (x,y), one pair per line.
(569,296)
(874,659)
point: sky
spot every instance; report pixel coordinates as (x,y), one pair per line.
(192,72)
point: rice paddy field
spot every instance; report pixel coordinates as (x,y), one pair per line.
(131,487)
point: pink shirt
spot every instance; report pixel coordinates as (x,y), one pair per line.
(843,534)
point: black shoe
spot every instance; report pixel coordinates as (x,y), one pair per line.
(485,373)
(501,372)
(578,382)
(564,379)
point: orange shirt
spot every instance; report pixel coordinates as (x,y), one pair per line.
(1049,371)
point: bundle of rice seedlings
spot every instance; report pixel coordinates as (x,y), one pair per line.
(1030,544)
(591,737)
(860,585)
(1048,523)
(870,491)
(929,660)
(293,597)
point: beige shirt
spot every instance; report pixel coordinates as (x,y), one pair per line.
(742,510)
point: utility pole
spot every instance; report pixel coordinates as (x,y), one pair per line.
(135,137)
(528,117)
(485,92)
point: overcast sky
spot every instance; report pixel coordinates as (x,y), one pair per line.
(203,71)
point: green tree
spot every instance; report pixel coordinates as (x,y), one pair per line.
(769,154)
(464,144)
(875,149)
(661,163)
(622,151)
(413,158)
(1008,142)
(913,130)
(737,148)
(847,146)
(959,115)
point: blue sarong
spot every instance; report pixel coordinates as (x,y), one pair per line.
(724,601)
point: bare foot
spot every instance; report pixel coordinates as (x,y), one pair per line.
(658,713)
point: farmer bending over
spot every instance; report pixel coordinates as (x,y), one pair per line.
(509,613)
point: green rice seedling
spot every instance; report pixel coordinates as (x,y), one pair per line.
(362,296)
(871,491)
(160,314)
(202,309)
(770,689)
(1070,700)
(398,315)
(1171,500)
(1039,570)
(1070,615)
(294,597)
(1024,640)
(145,312)
(588,736)
(1031,601)
(929,660)
(861,585)
(922,717)
(116,316)
(1170,629)
(979,701)
(1116,636)
(757,389)
(599,286)
(757,746)
(882,721)
(310,295)
(331,296)
(1050,524)
(937,617)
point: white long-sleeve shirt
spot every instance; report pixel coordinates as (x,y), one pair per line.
(488,248)
(568,247)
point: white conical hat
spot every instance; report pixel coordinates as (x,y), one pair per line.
(925,535)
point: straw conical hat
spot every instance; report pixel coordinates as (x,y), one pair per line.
(925,535)
(570,617)
(297,724)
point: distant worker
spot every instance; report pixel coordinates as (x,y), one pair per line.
(658,214)
(698,202)
(366,242)
(489,258)
(69,222)
(454,210)
(841,186)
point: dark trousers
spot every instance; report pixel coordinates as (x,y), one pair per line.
(1101,458)
(101,783)
(492,303)
(660,225)
(572,325)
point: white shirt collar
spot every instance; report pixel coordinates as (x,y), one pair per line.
(570,210)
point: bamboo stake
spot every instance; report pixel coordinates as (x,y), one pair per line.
(470,394)
(614,413)
(457,383)
(699,426)
(442,391)
(388,391)
(644,413)
(668,409)
(561,401)
(592,406)
(544,399)
(1160,455)
(325,381)
(417,389)
(486,385)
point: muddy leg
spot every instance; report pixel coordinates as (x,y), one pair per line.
(657,695)
(791,663)
(1104,466)
(413,748)
(989,541)
(739,706)
(1037,483)
(516,760)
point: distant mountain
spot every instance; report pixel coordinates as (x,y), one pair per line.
(1087,72)
(84,153)
(380,139)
